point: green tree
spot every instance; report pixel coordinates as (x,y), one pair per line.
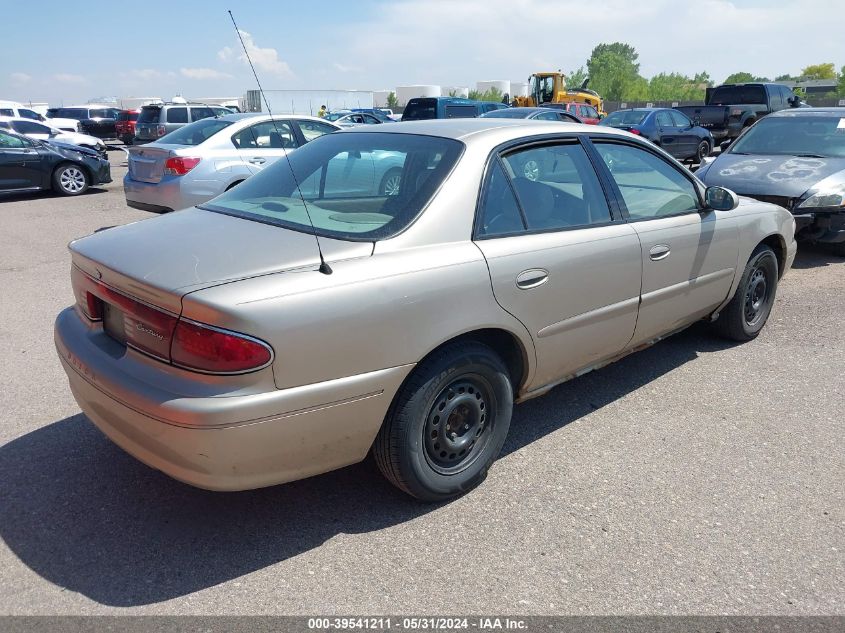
(475,95)
(576,77)
(819,71)
(739,78)
(614,71)
(786,77)
(494,94)
(392,101)
(669,87)
(841,87)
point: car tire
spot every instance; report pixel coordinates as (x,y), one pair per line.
(391,182)
(749,309)
(703,151)
(839,249)
(70,180)
(461,389)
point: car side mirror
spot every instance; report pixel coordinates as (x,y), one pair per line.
(721,199)
(794,102)
(725,145)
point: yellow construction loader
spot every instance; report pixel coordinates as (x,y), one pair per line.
(550,88)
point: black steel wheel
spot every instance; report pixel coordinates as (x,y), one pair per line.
(447,423)
(747,313)
(703,151)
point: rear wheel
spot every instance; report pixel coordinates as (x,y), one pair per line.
(447,423)
(703,151)
(746,314)
(70,180)
(390,182)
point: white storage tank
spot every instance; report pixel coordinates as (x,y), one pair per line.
(502,85)
(457,91)
(519,89)
(380,98)
(406,93)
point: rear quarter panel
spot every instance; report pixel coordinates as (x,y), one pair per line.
(371,313)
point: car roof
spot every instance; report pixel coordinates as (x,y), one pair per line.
(461,129)
(830,111)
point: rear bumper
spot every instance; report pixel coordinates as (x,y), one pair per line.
(217,442)
(171,193)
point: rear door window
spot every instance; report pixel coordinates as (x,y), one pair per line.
(7,112)
(177,115)
(664,120)
(30,127)
(500,214)
(202,112)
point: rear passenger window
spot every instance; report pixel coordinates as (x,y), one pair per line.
(460,111)
(177,115)
(650,186)
(557,187)
(266,135)
(500,213)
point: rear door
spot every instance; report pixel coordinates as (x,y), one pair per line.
(262,144)
(687,138)
(558,260)
(667,134)
(689,253)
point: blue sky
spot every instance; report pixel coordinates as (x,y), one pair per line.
(158,48)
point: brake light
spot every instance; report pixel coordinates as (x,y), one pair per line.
(180,165)
(203,348)
(161,130)
(634,130)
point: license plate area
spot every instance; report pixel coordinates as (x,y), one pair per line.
(113,323)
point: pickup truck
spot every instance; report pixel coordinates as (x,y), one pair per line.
(733,107)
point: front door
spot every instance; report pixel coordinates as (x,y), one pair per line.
(667,134)
(20,163)
(689,253)
(558,261)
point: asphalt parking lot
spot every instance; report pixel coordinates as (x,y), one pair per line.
(696,477)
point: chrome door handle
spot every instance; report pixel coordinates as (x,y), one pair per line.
(661,251)
(258,160)
(532,278)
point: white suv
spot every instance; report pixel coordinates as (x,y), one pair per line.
(19,111)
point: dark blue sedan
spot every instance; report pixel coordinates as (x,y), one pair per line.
(667,128)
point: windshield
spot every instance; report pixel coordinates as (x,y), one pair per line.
(195,133)
(728,95)
(365,186)
(71,113)
(544,89)
(626,117)
(794,136)
(334,116)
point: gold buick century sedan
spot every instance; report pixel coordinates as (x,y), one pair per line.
(308,317)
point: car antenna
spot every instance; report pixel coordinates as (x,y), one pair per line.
(324,267)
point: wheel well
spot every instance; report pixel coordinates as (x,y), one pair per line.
(776,243)
(505,344)
(83,167)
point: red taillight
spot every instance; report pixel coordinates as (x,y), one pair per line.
(180,165)
(216,351)
(161,130)
(634,130)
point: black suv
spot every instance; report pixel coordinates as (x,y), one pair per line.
(93,120)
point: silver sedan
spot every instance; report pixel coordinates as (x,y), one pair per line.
(203,159)
(306,318)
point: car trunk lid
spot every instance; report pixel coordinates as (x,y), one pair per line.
(146,164)
(160,260)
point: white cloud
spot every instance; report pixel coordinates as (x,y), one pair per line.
(69,78)
(203,73)
(145,73)
(459,43)
(347,69)
(265,59)
(20,78)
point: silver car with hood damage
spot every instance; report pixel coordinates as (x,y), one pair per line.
(305,318)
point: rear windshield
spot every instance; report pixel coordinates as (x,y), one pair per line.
(419,109)
(149,115)
(195,133)
(628,117)
(810,137)
(127,116)
(507,113)
(71,113)
(728,95)
(365,186)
